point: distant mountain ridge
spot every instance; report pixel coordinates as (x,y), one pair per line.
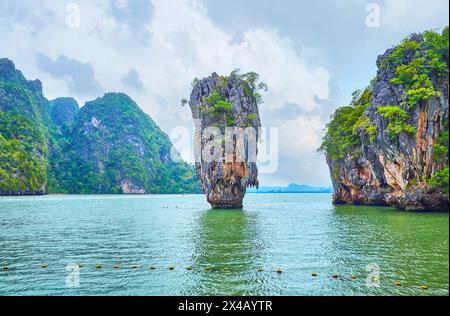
(107,146)
(292,188)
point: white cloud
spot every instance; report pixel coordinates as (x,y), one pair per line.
(405,16)
(413,15)
(181,43)
(290,78)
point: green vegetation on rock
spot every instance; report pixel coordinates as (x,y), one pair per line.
(394,130)
(23,167)
(108,146)
(219,108)
(115,147)
(441,146)
(252,85)
(23,137)
(343,131)
(397,121)
(429,61)
(439,181)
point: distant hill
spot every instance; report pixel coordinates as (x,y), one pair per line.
(292,188)
(107,146)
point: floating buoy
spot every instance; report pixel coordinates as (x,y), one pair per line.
(98,266)
(260,270)
(189,268)
(171,268)
(279,271)
(398,283)
(314,274)
(207,269)
(5,268)
(116,266)
(335,276)
(80,265)
(424,287)
(354,277)
(226,270)
(152,267)
(44,266)
(135,267)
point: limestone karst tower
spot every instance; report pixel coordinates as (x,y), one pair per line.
(226,117)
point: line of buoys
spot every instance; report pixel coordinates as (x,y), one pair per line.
(226,269)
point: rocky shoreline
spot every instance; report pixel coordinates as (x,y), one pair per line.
(390,146)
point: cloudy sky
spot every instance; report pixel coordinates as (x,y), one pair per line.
(312,54)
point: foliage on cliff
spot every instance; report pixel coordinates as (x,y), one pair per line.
(23,137)
(429,61)
(397,121)
(390,145)
(420,75)
(417,62)
(218,107)
(115,146)
(227,101)
(23,167)
(108,146)
(343,131)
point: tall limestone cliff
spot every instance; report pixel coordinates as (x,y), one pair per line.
(23,134)
(390,146)
(229,105)
(114,147)
(108,146)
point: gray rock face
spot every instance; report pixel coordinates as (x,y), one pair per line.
(395,172)
(226,177)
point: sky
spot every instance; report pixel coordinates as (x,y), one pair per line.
(312,54)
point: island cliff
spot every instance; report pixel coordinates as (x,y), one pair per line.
(107,146)
(228,105)
(390,146)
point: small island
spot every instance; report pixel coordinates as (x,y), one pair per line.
(390,145)
(225,111)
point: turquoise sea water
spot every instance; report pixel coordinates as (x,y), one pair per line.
(41,237)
